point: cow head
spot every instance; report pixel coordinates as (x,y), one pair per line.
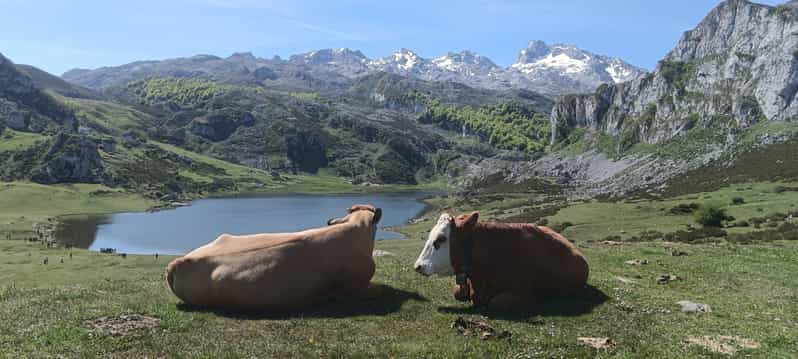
(374,214)
(435,257)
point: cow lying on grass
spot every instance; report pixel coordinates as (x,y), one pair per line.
(503,266)
(281,272)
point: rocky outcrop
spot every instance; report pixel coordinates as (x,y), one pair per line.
(219,125)
(24,107)
(739,66)
(69,159)
(306,151)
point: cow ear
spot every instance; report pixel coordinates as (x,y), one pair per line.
(377,216)
(472,219)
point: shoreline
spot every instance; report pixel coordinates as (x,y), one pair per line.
(67,230)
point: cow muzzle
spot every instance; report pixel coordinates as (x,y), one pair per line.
(422,269)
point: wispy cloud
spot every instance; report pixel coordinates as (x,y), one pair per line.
(244,4)
(323,30)
(286,11)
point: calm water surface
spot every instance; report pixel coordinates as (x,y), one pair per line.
(180,230)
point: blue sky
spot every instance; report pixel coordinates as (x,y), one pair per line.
(58,35)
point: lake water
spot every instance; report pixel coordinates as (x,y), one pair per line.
(180,230)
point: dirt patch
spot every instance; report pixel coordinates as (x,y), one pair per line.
(598,343)
(122,324)
(724,344)
(481,329)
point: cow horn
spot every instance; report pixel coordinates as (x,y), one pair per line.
(377,216)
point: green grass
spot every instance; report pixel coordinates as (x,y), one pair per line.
(11,140)
(752,289)
(106,114)
(596,220)
(23,204)
(263,182)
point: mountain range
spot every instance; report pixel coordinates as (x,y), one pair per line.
(722,101)
(553,70)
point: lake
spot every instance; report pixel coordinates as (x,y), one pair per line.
(180,230)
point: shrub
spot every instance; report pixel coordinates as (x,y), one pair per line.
(711,215)
(738,201)
(742,223)
(559,227)
(698,235)
(651,235)
(785,232)
(782,189)
(685,208)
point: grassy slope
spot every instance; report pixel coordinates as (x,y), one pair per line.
(322,183)
(107,114)
(752,290)
(11,140)
(23,204)
(596,220)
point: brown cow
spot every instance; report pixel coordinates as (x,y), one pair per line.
(281,272)
(510,264)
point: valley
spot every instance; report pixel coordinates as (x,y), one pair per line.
(679,183)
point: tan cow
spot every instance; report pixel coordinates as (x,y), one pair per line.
(502,265)
(281,272)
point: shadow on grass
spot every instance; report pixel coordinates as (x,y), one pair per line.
(579,303)
(390,301)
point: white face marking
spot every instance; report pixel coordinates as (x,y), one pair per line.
(434,258)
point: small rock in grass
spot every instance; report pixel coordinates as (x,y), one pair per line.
(637,262)
(380,253)
(667,278)
(678,253)
(598,343)
(692,307)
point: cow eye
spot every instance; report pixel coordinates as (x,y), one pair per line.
(438,241)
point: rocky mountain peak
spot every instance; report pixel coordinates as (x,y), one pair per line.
(534,50)
(455,61)
(571,62)
(329,57)
(405,59)
(242,56)
(554,70)
(739,66)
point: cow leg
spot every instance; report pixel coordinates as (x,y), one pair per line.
(356,283)
(481,293)
(506,301)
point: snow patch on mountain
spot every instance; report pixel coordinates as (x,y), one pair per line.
(562,62)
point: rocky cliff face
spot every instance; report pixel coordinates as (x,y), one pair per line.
(739,66)
(24,107)
(70,159)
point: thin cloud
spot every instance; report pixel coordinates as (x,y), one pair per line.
(282,11)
